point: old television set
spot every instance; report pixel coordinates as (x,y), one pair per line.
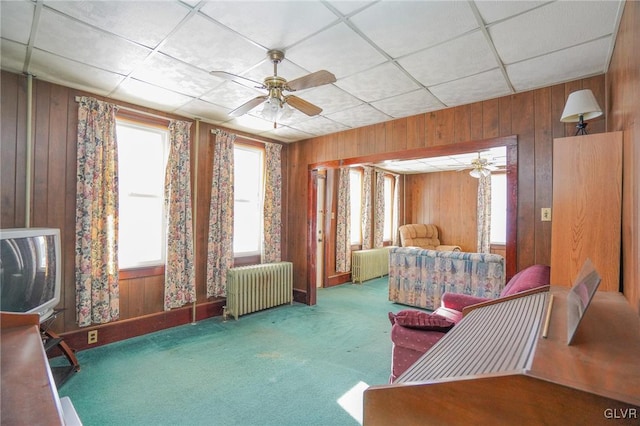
(30,270)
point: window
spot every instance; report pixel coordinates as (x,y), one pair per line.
(389,182)
(142,159)
(355,185)
(499,208)
(248,184)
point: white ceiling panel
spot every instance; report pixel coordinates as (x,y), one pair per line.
(13,56)
(384,53)
(49,67)
(71,39)
(16,18)
(377,83)
(359,116)
(204,110)
(458,58)
(560,66)
(415,24)
(408,104)
(555,26)
(164,71)
(280,24)
(492,11)
(207,45)
(136,91)
(338,50)
(144,22)
(486,85)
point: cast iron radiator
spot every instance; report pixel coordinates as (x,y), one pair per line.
(257,287)
(368,264)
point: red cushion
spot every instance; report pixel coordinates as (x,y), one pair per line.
(529,278)
(421,320)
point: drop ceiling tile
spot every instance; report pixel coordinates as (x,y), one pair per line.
(167,72)
(337,49)
(207,45)
(552,27)
(461,57)
(359,116)
(286,69)
(400,28)
(249,123)
(564,65)
(144,22)
(377,83)
(12,56)
(49,67)
(319,126)
(416,102)
(492,11)
(486,85)
(66,37)
(349,6)
(231,95)
(204,110)
(16,18)
(145,94)
(273,25)
(286,134)
(330,98)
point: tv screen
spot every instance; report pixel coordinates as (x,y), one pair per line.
(30,270)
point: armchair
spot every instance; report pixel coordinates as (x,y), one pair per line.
(423,236)
(410,343)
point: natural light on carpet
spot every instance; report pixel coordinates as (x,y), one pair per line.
(351,401)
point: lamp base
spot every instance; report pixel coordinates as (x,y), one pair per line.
(582,127)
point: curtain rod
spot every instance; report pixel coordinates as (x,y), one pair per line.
(217,131)
(149,114)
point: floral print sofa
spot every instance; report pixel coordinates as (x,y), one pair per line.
(420,277)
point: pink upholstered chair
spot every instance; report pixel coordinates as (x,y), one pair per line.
(415,337)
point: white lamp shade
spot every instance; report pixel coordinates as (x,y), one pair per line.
(580,103)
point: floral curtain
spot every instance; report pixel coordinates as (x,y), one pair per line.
(220,243)
(343,232)
(271,246)
(366,208)
(484,214)
(395,222)
(378,216)
(179,275)
(97,291)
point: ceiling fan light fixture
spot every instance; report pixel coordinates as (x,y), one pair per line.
(479,172)
(275,110)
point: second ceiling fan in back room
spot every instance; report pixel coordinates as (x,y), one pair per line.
(480,167)
(276,103)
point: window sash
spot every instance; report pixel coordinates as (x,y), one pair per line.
(248,200)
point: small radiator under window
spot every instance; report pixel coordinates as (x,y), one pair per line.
(368,264)
(257,287)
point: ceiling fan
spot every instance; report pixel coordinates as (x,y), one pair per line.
(276,103)
(480,167)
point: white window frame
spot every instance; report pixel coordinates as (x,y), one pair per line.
(498,209)
(258,202)
(159,194)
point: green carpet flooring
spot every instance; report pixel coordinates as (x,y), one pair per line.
(288,365)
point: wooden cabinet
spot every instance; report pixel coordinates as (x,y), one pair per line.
(587,207)
(496,367)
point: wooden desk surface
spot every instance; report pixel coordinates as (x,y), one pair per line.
(29,393)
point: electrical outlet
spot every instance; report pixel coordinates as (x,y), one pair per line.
(546,214)
(92,337)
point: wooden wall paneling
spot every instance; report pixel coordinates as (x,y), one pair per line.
(523,125)
(543,171)
(445,130)
(506,110)
(430,129)
(153,293)
(12,120)
(597,86)
(41,133)
(558,100)
(396,133)
(462,119)
(477,121)
(415,132)
(491,119)
(125,299)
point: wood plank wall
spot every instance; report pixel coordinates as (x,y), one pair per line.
(623,111)
(533,116)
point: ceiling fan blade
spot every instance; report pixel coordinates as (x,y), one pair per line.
(314,79)
(248,106)
(237,78)
(302,105)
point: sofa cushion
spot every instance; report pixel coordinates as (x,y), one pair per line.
(529,278)
(421,320)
